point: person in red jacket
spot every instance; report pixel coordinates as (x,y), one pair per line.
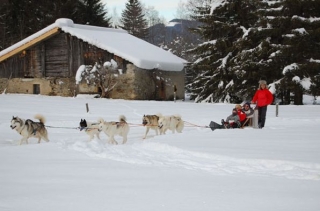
(241,114)
(263,97)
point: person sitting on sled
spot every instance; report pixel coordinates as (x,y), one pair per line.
(242,115)
(249,113)
(232,121)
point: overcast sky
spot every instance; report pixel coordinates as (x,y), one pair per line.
(166,8)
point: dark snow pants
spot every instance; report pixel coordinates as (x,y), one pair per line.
(262,112)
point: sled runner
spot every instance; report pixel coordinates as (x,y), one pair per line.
(213,125)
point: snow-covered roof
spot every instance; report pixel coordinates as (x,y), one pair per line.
(117,41)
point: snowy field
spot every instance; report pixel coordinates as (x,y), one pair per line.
(273,169)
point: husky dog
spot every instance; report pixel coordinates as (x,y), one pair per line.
(111,129)
(151,122)
(90,128)
(173,123)
(28,128)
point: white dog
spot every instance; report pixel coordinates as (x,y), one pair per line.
(173,123)
(111,129)
(92,129)
(28,128)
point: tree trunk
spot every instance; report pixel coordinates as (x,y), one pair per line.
(298,95)
(287,97)
(103,92)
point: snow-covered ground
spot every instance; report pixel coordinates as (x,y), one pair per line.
(276,168)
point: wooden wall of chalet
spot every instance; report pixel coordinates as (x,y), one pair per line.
(8,66)
(56,60)
(58,56)
(92,54)
(46,59)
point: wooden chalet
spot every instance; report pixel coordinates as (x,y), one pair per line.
(46,63)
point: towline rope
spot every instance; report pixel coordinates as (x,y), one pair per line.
(62,127)
(132,124)
(137,125)
(194,125)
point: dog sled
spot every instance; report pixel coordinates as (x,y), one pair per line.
(252,122)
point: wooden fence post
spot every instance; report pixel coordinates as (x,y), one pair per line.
(87,106)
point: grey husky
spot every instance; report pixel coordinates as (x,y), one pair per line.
(150,122)
(28,128)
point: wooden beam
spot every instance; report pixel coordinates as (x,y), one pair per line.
(43,60)
(70,54)
(19,49)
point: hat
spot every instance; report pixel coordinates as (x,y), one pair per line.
(234,110)
(247,103)
(263,82)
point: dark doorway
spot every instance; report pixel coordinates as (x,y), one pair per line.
(36,89)
(162,90)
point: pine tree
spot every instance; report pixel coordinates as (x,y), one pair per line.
(3,24)
(250,40)
(222,30)
(20,19)
(133,19)
(302,39)
(93,12)
(293,36)
(258,54)
(60,9)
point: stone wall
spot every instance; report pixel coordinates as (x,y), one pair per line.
(140,84)
(135,84)
(47,86)
(124,85)
(3,84)
(83,87)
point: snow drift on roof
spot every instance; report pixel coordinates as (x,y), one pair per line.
(117,41)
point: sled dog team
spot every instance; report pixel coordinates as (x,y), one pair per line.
(28,128)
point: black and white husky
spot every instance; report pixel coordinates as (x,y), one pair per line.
(111,129)
(28,128)
(91,128)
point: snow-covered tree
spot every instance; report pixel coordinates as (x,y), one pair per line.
(249,40)
(182,11)
(115,19)
(223,26)
(288,36)
(151,16)
(100,75)
(301,41)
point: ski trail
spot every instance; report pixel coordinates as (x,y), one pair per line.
(164,155)
(152,153)
(134,111)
